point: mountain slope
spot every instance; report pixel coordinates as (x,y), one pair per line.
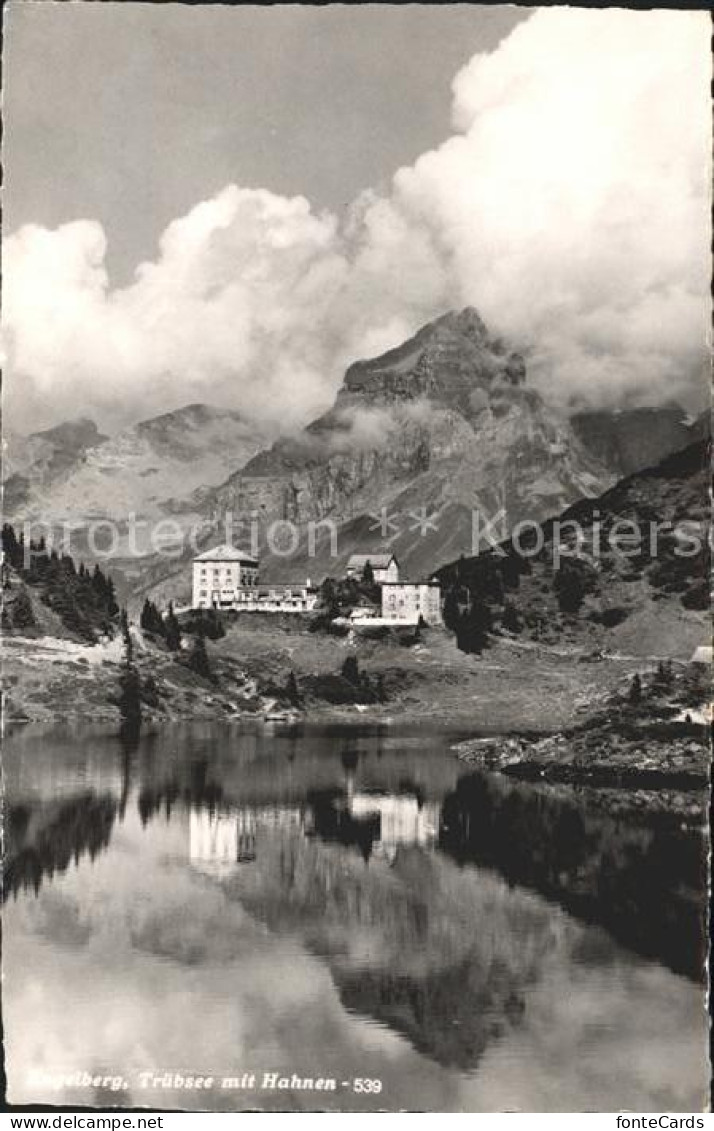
(628,440)
(628,570)
(33,463)
(153,468)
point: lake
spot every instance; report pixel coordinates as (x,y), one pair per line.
(339,917)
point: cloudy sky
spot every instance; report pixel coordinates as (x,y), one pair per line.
(230,205)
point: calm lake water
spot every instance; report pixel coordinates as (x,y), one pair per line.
(339,903)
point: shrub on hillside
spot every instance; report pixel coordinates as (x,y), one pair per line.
(610,618)
(18,614)
(697,595)
(569,588)
(198,660)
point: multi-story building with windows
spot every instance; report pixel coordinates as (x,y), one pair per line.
(226,578)
(408,602)
(219,574)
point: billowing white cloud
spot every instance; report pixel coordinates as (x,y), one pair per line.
(571,207)
(575,206)
(230,311)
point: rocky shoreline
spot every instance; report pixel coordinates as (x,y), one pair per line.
(560,759)
(654,735)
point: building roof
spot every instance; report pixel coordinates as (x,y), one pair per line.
(702,654)
(377,561)
(405,584)
(226,553)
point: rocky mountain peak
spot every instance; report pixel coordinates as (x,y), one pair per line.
(443,424)
(466,324)
(447,361)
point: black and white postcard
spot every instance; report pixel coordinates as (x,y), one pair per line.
(356,639)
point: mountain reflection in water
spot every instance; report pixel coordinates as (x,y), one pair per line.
(343,900)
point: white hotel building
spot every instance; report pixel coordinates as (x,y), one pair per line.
(218,574)
(226,578)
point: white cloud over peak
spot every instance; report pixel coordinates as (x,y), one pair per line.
(571,207)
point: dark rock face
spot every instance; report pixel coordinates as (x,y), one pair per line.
(632,439)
